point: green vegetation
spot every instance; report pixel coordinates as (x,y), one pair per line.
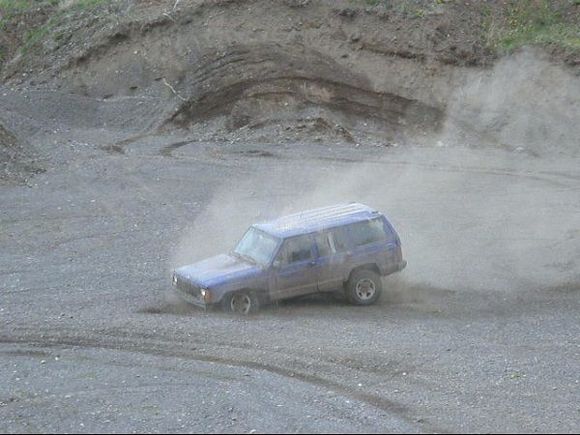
(374,2)
(514,24)
(88,4)
(35,36)
(18,6)
(12,8)
(531,22)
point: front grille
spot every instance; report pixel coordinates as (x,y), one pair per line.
(188,288)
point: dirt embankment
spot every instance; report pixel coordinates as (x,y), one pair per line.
(344,71)
(16,159)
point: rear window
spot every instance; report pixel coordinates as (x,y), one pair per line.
(363,233)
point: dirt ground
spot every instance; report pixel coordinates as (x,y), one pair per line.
(479,333)
(117,169)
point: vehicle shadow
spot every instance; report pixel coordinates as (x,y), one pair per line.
(171,303)
(420,297)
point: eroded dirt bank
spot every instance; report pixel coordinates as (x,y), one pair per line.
(17,161)
(340,71)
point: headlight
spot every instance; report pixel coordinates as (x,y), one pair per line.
(205,295)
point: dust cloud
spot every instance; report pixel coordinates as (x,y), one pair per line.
(524,103)
(499,215)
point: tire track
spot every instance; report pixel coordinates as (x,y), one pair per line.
(168,350)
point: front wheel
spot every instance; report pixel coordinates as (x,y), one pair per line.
(242,302)
(364,287)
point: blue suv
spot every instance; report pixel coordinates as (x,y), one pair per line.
(344,248)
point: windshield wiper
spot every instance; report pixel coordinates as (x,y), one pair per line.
(249,259)
(245,257)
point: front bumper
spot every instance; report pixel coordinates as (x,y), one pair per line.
(189,292)
(190,299)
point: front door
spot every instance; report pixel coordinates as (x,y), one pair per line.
(296,269)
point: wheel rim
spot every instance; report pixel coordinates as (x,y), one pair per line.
(365,289)
(241,304)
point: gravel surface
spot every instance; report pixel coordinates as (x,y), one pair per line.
(479,334)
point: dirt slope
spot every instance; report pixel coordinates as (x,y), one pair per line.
(386,69)
(16,159)
(351,72)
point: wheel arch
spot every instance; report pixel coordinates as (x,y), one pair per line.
(369,266)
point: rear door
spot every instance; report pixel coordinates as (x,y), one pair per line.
(296,269)
(334,258)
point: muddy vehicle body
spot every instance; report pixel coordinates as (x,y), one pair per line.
(343,248)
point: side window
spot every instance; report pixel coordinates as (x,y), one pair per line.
(363,233)
(340,239)
(325,244)
(296,249)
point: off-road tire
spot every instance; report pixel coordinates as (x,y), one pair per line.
(364,287)
(243,303)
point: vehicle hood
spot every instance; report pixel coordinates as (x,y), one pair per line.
(218,270)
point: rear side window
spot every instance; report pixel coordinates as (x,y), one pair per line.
(363,233)
(339,238)
(325,244)
(296,249)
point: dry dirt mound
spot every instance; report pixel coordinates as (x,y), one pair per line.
(344,71)
(16,163)
(271,83)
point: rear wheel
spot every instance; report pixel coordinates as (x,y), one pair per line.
(242,303)
(364,287)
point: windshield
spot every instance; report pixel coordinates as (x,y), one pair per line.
(257,246)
